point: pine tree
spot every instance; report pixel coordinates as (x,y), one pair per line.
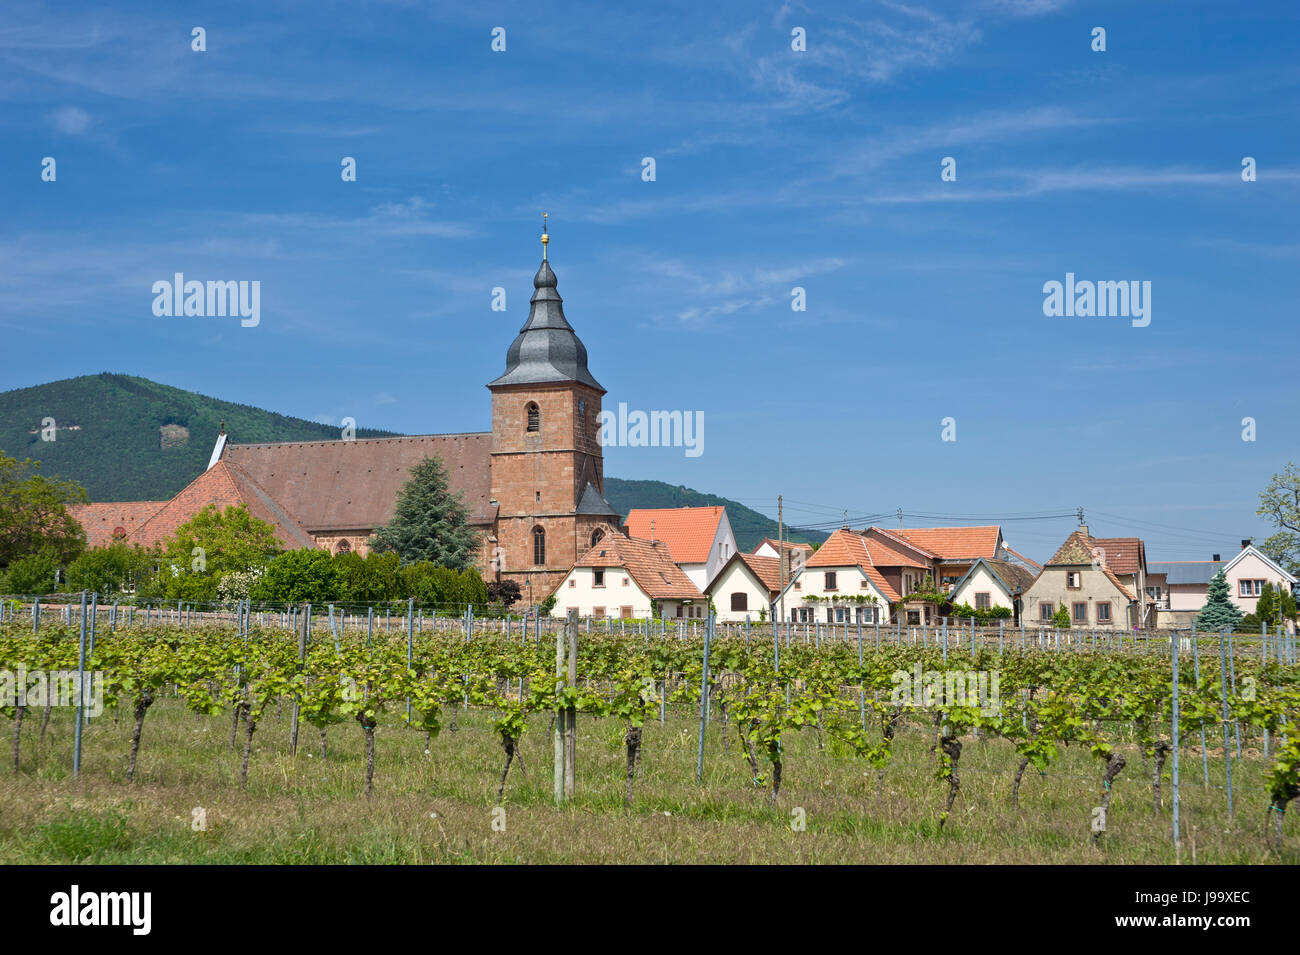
(1219,612)
(429,522)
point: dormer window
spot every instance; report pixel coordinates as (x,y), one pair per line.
(534,417)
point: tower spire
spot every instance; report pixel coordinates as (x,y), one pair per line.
(545,237)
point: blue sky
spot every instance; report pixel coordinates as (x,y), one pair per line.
(774,169)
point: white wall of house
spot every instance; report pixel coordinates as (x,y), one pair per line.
(1052,586)
(1187,596)
(849,581)
(982,581)
(580,591)
(738,579)
(698,573)
(721,551)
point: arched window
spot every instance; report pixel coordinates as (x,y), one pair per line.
(343,547)
(596,536)
(534,417)
(539,547)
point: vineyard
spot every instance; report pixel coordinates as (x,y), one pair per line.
(924,747)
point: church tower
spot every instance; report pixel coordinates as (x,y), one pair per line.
(548,473)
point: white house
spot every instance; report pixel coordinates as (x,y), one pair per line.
(992,583)
(745,587)
(700,538)
(629,578)
(839,583)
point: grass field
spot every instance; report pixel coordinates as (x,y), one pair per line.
(438,808)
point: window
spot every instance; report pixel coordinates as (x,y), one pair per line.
(1079,611)
(801,615)
(574,583)
(866,614)
(599,612)
(679,613)
(624,581)
(1046,611)
(864,584)
(539,547)
(598,578)
(830,580)
(626,613)
(1073,580)
(914,618)
(534,417)
(798,585)
(1103,614)
(984,602)
(1154,593)
(740,602)
(1250,588)
(597,534)
(343,547)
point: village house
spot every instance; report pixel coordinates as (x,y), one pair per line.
(745,587)
(1078,579)
(1181,586)
(700,538)
(631,579)
(993,583)
(839,583)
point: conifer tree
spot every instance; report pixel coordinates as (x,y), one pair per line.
(1219,612)
(429,522)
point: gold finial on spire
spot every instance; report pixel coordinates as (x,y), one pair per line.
(545,238)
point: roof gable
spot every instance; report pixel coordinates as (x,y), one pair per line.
(1252,550)
(650,565)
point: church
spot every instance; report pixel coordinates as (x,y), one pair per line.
(533,485)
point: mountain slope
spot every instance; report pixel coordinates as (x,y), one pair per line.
(125,438)
(131,439)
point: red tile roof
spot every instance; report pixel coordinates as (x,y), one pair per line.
(883,555)
(955,543)
(688,531)
(1124,555)
(1033,565)
(224,485)
(111,520)
(846,548)
(1080,550)
(650,565)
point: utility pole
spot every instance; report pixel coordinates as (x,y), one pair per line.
(780,553)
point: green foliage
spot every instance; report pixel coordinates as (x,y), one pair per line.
(108,570)
(547,606)
(299,576)
(33,574)
(117,452)
(1061,619)
(34,513)
(369,579)
(429,522)
(964,612)
(1219,612)
(1273,607)
(1280,503)
(209,545)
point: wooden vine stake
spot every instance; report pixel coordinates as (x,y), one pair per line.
(566,717)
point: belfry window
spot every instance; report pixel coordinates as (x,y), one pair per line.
(534,417)
(596,535)
(539,547)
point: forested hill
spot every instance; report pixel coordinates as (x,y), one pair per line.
(124,438)
(130,439)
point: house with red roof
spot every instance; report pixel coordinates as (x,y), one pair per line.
(1079,578)
(840,583)
(629,578)
(700,538)
(746,587)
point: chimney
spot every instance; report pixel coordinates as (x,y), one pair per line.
(1083,529)
(1245,542)
(1216,558)
(652,531)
